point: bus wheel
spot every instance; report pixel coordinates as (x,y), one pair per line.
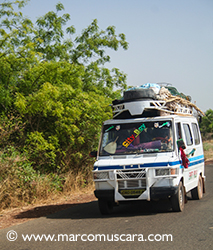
(197,192)
(177,200)
(105,206)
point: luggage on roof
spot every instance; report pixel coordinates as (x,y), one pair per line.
(153,99)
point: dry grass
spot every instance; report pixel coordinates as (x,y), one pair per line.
(208,149)
(63,197)
(43,189)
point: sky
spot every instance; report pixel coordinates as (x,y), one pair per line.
(169,40)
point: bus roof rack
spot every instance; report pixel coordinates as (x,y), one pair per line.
(156,100)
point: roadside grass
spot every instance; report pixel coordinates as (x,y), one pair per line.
(40,191)
(208,149)
(21,185)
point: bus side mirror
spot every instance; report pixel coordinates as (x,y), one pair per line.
(93,154)
(181,144)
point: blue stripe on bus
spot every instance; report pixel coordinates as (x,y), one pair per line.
(193,161)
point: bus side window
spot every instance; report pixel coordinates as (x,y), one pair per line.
(178,131)
(188,134)
(196,133)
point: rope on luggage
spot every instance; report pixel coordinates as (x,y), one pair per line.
(172,101)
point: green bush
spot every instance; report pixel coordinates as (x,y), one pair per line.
(54,96)
(16,178)
(206,124)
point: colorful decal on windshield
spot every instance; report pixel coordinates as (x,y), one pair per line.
(118,127)
(156,124)
(164,124)
(130,139)
(109,128)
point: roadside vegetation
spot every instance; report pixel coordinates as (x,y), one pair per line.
(55,92)
(208,149)
(206,127)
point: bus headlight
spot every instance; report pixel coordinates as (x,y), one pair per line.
(162,171)
(166,171)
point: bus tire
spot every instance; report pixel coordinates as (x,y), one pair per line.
(178,199)
(197,192)
(105,206)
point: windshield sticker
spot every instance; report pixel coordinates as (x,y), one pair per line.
(156,124)
(130,139)
(164,124)
(109,128)
(118,127)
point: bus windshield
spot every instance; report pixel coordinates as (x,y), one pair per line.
(136,138)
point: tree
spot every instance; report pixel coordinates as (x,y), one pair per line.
(206,125)
(58,88)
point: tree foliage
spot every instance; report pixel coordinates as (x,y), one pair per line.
(206,125)
(55,86)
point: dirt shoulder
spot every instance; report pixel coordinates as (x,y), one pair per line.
(10,217)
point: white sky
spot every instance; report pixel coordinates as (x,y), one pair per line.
(169,40)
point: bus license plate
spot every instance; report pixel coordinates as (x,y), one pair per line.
(132,192)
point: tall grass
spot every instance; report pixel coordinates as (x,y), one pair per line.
(208,149)
(20,184)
